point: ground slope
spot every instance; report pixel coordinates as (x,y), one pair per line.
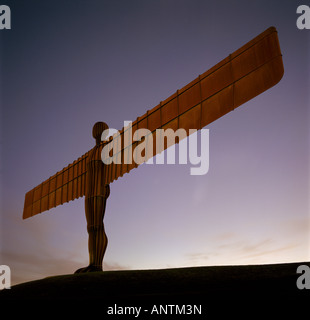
(275,282)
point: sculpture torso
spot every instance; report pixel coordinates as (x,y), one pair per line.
(95,185)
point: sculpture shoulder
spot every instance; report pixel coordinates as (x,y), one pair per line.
(95,154)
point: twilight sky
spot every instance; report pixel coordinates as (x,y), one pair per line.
(67,64)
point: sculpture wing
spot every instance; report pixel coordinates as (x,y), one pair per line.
(66,185)
(244,74)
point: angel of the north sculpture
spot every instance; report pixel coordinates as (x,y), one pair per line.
(244,74)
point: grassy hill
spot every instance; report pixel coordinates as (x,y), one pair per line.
(209,286)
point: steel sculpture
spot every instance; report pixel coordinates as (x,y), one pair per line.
(244,74)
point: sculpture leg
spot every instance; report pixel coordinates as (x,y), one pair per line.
(97,239)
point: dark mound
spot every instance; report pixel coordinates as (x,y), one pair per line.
(198,285)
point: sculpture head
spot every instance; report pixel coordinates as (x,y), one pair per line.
(98,128)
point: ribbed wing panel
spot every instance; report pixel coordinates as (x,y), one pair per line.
(66,185)
(244,74)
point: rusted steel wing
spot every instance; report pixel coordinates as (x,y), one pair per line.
(244,74)
(64,186)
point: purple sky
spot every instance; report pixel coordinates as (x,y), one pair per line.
(67,64)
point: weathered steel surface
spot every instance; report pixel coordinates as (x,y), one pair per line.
(244,74)
(66,185)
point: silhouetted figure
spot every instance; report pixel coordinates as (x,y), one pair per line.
(244,74)
(96,196)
